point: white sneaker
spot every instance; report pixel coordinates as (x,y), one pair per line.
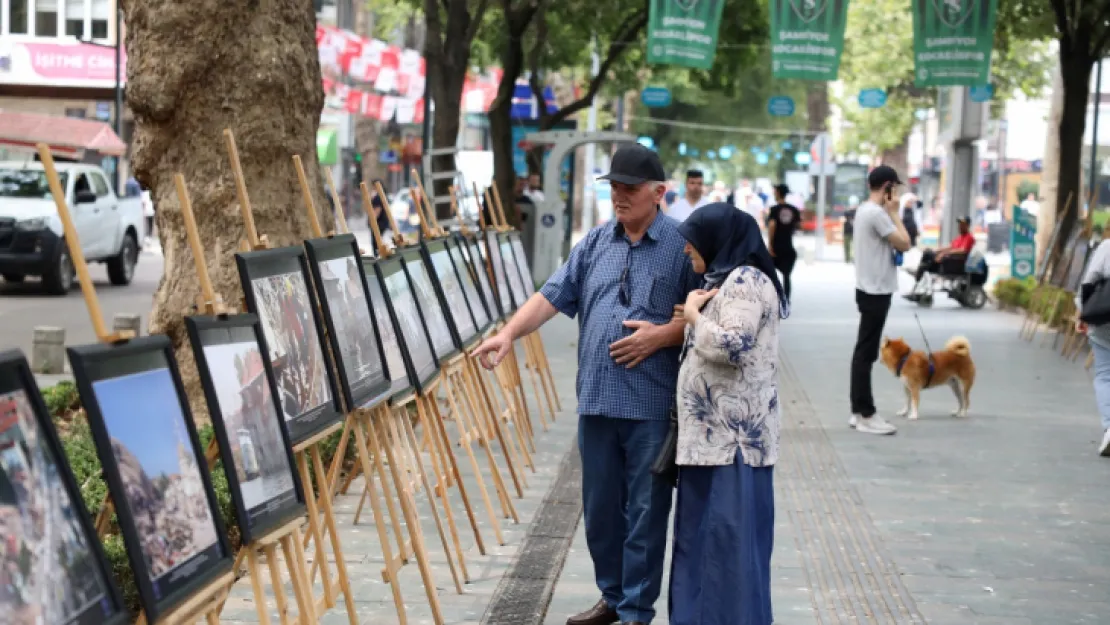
(1104,447)
(853,421)
(874,424)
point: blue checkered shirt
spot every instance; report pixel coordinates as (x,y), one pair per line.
(588,287)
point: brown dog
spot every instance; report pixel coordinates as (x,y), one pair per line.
(952,366)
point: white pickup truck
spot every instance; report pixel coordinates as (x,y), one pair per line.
(31,234)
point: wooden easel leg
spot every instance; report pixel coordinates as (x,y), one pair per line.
(408,506)
(539,364)
(461,423)
(452,468)
(441,487)
(277,584)
(303,596)
(546,368)
(480,422)
(522,424)
(336,546)
(256,585)
(340,454)
(319,556)
(492,413)
(297,568)
(387,492)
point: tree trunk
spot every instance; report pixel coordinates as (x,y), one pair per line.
(898,156)
(1050,172)
(817,106)
(183,97)
(447,95)
(1076,69)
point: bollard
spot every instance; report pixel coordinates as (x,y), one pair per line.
(127,321)
(48,350)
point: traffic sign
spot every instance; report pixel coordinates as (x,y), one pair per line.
(780,106)
(821,156)
(872,98)
(981,93)
(725,152)
(647,142)
(762,158)
(655,97)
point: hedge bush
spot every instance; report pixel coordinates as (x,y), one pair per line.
(73,429)
(1018,293)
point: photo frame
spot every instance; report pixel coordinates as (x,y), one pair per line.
(277,289)
(491,251)
(341,290)
(477,266)
(243,402)
(37,491)
(1078,255)
(512,270)
(522,264)
(423,290)
(449,289)
(416,343)
(457,251)
(393,346)
(155,468)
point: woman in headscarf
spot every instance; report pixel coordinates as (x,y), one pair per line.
(728,425)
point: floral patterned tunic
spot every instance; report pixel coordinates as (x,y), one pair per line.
(728,384)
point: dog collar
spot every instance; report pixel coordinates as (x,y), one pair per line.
(901,363)
(932,368)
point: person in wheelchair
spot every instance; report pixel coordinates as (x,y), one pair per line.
(947,260)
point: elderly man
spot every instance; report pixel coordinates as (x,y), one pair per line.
(623,282)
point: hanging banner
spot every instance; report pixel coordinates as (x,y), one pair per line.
(684,32)
(807,37)
(952,41)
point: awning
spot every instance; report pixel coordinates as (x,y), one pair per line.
(67,136)
(327,146)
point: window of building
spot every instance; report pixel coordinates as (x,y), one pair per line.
(101,14)
(46,18)
(18,16)
(76,18)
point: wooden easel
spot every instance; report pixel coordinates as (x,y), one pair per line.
(321,515)
(204,603)
(1040,300)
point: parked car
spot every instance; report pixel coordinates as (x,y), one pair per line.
(31,233)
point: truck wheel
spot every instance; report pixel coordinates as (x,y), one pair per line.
(121,267)
(58,280)
(14,278)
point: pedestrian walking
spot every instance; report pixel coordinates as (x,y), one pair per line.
(693,199)
(848,227)
(1098,270)
(728,425)
(622,282)
(909,220)
(782,223)
(879,233)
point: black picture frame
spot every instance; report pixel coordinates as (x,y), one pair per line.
(394,349)
(522,263)
(146,367)
(100,600)
(436,321)
(478,269)
(491,251)
(207,335)
(408,318)
(448,287)
(471,289)
(302,418)
(345,325)
(512,270)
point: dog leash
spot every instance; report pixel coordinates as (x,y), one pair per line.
(928,350)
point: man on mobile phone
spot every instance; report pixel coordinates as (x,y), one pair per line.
(878,233)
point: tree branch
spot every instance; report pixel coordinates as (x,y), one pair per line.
(476,20)
(1099,50)
(534,65)
(1061,11)
(630,29)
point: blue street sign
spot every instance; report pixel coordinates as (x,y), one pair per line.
(780,106)
(786,145)
(104,110)
(725,152)
(761,158)
(682,149)
(655,97)
(756,149)
(802,158)
(872,98)
(647,142)
(711,154)
(981,93)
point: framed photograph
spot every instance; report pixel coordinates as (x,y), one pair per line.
(477,266)
(275,283)
(155,468)
(522,264)
(1079,254)
(456,250)
(243,403)
(491,251)
(423,289)
(449,289)
(52,565)
(341,291)
(413,336)
(512,270)
(392,348)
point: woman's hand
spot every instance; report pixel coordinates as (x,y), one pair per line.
(694,302)
(1080,326)
(678,315)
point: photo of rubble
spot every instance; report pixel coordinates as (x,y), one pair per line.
(516,285)
(522,263)
(394,359)
(479,268)
(453,292)
(493,253)
(468,286)
(165,492)
(349,314)
(285,309)
(429,304)
(48,572)
(250,418)
(408,317)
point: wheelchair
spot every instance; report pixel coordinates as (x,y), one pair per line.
(962,281)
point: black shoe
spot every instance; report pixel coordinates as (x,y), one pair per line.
(600,614)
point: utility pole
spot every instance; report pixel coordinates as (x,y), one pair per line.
(119,98)
(588,188)
(1093,176)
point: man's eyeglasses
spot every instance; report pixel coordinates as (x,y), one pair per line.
(625,293)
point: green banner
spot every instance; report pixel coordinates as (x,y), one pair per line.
(952,41)
(684,32)
(807,37)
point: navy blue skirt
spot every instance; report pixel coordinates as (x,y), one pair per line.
(724,529)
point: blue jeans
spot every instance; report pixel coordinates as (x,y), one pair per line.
(626,511)
(1102,382)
